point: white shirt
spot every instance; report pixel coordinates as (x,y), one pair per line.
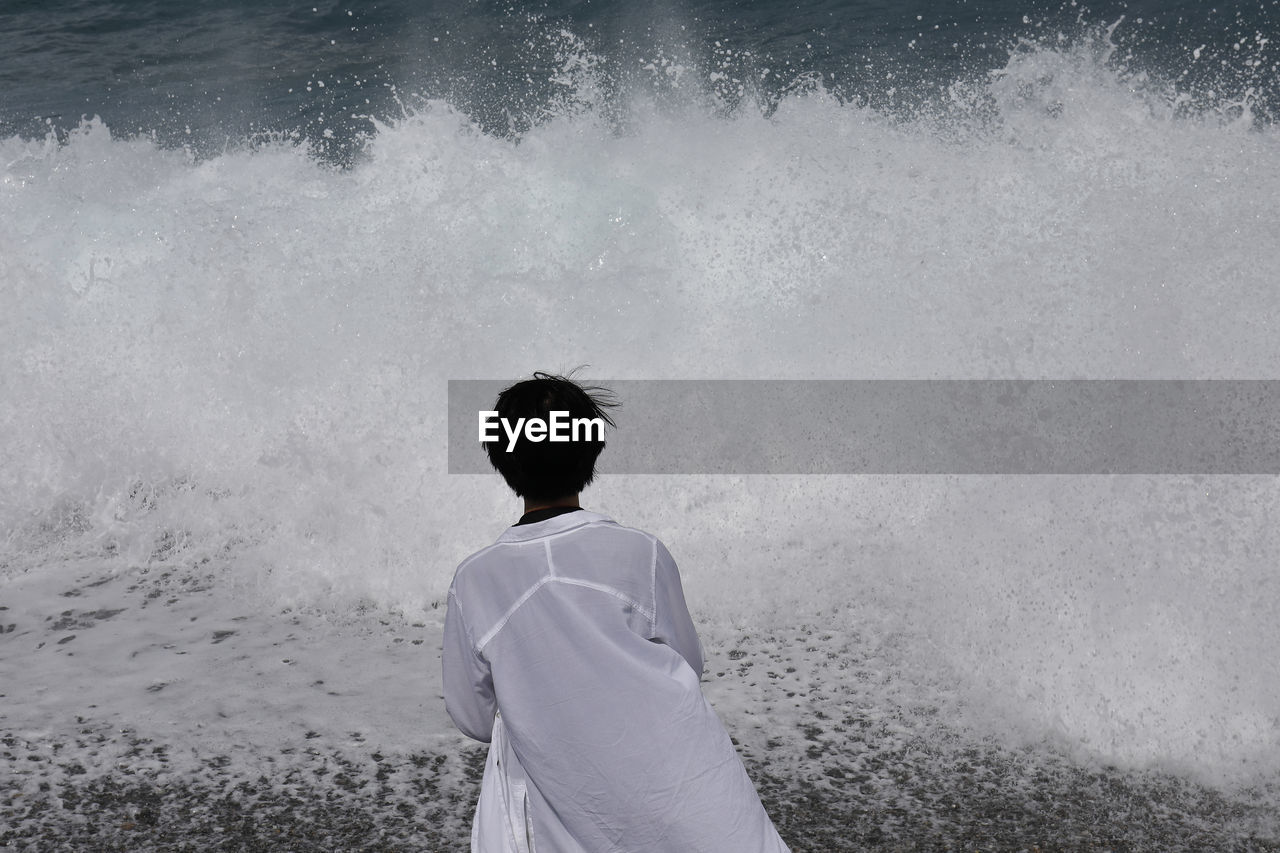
(576,630)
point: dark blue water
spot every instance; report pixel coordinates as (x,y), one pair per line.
(205,75)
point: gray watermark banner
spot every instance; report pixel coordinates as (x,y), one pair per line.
(673,426)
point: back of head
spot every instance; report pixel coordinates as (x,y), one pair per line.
(553,467)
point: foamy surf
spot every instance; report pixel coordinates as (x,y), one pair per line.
(225,378)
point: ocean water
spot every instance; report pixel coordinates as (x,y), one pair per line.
(243,248)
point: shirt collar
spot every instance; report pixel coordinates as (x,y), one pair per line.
(556,524)
(534,516)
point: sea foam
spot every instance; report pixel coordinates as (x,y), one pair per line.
(240,361)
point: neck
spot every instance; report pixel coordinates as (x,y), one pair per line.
(568,500)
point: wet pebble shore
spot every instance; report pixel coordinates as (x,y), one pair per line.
(848,750)
(318,798)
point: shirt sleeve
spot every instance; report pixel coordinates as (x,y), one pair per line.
(468,681)
(672,624)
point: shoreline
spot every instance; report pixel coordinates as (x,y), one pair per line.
(199,722)
(321,798)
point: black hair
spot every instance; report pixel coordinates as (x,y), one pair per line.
(546,470)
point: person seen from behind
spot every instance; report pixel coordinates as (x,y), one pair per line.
(568,647)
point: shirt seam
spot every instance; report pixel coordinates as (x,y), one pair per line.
(546,579)
(511,611)
(457,608)
(653,588)
(608,590)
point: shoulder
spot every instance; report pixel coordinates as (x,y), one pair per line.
(480,571)
(484,555)
(638,535)
(629,538)
(635,547)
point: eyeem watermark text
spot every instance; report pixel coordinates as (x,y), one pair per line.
(559,427)
(908,427)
